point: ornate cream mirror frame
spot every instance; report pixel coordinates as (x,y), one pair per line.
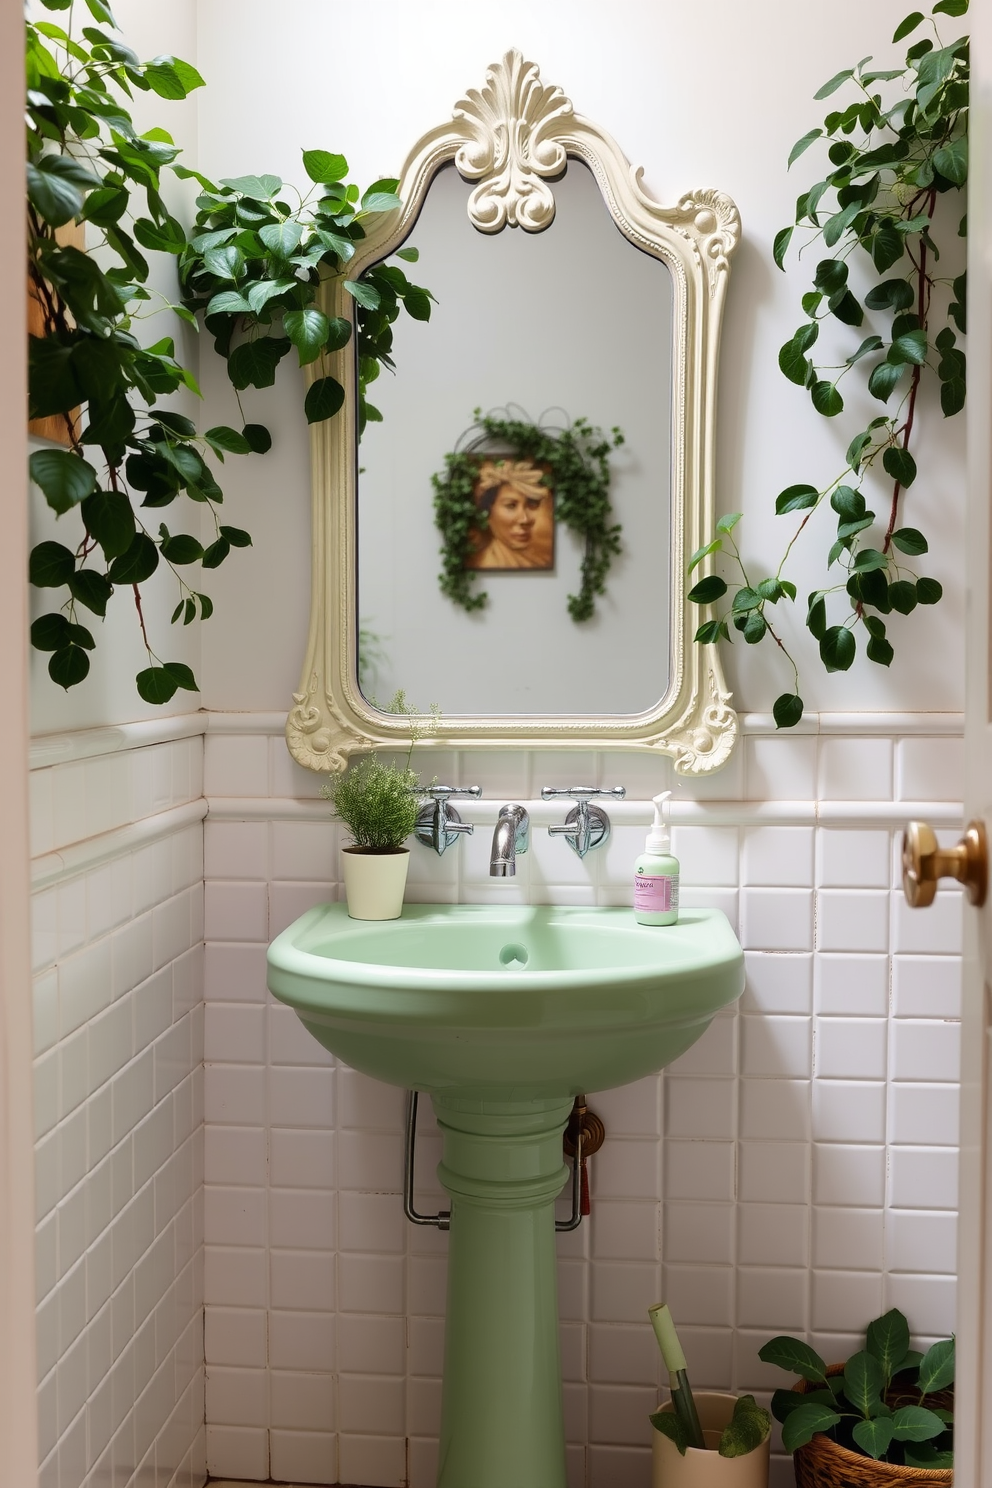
(513,138)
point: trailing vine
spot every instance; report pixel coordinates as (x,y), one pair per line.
(254,263)
(892,162)
(576,461)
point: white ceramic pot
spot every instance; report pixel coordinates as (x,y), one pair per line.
(374,882)
(708,1469)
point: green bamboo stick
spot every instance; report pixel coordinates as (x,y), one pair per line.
(678,1379)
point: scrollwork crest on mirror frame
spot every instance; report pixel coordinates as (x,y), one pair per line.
(512,137)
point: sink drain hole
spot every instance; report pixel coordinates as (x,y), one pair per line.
(514,955)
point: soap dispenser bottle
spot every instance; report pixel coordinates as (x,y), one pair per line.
(656,872)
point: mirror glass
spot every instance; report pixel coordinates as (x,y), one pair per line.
(572,322)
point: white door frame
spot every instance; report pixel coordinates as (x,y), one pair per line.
(18,1409)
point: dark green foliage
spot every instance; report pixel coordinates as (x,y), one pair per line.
(579,476)
(883,1403)
(253,265)
(747,1428)
(892,155)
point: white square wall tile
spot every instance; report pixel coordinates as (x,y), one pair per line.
(848,1239)
(780,769)
(924,1178)
(926,986)
(768,1108)
(925,1114)
(772,1299)
(778,982)
(772,1235)
(235,849)
(778,857)
(929,769)
(850,1048)
(939,930)
(705,1294)
(854,985)
(855,769)
(773,1172)
(699,1170)
(777,919)
(236,911)
(929,1050)
(842,1300)
(848,1112)
(849,858)
(707,855)
(235,765)
(852,919)
(699,1232)
(922,1241)
(776,1046)
(305,850)
(853,1177)
(700,1108)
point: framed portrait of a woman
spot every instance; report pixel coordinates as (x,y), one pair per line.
(515,527)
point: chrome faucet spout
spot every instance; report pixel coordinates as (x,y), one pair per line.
(511,837)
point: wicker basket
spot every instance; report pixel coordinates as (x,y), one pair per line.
(823,1463)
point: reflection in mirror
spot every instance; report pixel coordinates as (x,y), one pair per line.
(571,322)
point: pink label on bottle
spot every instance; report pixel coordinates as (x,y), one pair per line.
(656,894)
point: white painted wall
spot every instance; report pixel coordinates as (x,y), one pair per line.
(710,95)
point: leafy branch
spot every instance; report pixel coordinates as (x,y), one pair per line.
(891,165)
(124,455)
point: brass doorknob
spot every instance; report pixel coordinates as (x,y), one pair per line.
(923,863)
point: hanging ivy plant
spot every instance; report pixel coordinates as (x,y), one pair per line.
(895,153)
(253,264)
(574,462)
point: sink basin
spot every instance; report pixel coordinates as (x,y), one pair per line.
(504,1013)
(511,1001)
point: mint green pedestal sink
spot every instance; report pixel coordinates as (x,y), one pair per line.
(504,1014)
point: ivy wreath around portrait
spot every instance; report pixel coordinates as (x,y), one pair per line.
(575,460)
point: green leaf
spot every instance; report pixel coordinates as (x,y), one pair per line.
(308,330)
(410,254)
(91,589)
(911,346)
(838,79)
(864,1378)
(55,199)
(950,7)
(796,1357)
(915,1423)
(181,675)
(729,522)
(259,188)
(156,685)
(236,536)
(803,1424)
(109,517)
(883,380)
(826,399)
(909,24)
(879,650)
(787,710)
(746,599)
(226,262)
(831,275)
(216,553)
(816,616)
(837,649)
(755,627)
(856,449)
(63,477)
(417,303)
(263,290)
(887,248)
(324,398)
(713,547)
(709,633)
(922,1454)
(899,463)
(181,548)
(888,1336)
(161,237)
(137,564)
(228,302)
(68,666)
(49,632)
(796,498)
(870,559)
(227,440)
(792,360)
(873,1437)
(380,201)
(253,364)
(937,1368)
(891,294)
(929,591)
(365,294)
(323,167)
(708,590)
(910,540)
(51,565)
(835,226)
(747,1428)
(258,438)
(338,333)
(952,161)
(282,238)
(869,344)
(672,1426)
(903,596)
(784,238)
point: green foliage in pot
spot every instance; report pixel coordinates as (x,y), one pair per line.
(378,801)
(254,263)
(898,159)
(577,458)
(885,1404)
(746,1429)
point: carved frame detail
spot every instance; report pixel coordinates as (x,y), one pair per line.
(512,137)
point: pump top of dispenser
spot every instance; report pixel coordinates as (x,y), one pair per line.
(659,839)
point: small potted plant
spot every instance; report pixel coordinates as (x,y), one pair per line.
(883,1419)
(705,1438)
(378,803)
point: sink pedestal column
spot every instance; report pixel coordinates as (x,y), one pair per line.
(501,1418)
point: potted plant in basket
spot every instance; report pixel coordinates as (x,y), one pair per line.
(378,803)
(882,1419)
